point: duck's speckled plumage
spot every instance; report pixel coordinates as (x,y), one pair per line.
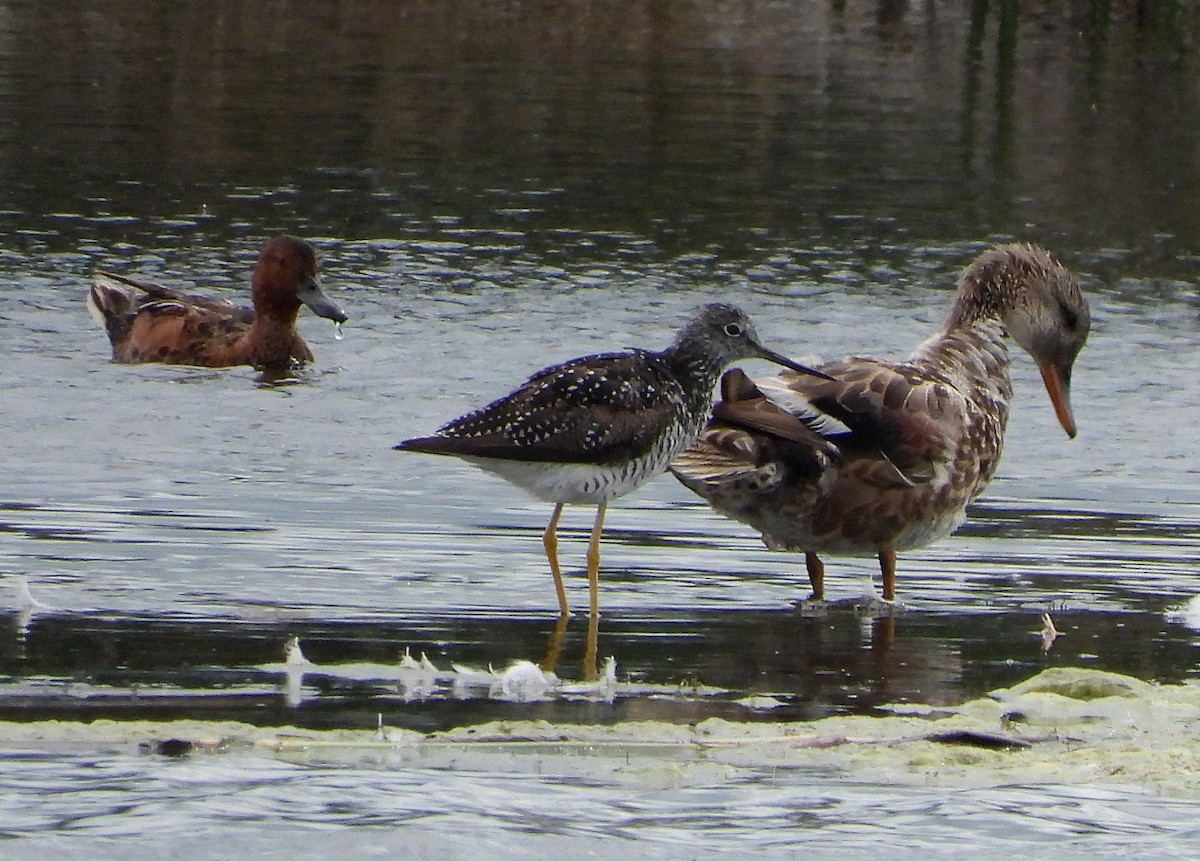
(158,324)
(887,456)
(594,428)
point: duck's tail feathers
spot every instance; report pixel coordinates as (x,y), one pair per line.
(113,306)
(106,300)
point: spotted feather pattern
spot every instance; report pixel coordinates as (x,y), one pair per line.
(594,428)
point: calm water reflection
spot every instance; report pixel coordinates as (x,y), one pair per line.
(492,187)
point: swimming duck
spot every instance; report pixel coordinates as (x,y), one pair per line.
(886,456)
(595,428)
(165,325)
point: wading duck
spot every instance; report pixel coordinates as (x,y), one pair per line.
(592,429)
(886,455)
(158,324)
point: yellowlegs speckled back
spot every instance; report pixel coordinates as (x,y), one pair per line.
(592,429)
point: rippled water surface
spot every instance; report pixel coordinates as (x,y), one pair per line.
(420,813)
(491,189)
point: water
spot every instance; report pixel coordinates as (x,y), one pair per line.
(494,189)
(423,813)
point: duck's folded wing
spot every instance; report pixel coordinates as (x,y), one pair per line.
(169,331)
(904,422)
(721,455)
(748,440)
(160,293)
(744,404)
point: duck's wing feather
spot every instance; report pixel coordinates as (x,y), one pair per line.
(158,292)
(748,435)
(596,409)
(903,421)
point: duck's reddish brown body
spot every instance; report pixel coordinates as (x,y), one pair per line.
(158,324)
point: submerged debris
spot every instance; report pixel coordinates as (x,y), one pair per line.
(1048,633)
(522,681)
(975,738)
(170,747)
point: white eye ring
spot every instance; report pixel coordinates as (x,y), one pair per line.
(733,330)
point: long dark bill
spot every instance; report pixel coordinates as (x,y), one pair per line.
(772,356)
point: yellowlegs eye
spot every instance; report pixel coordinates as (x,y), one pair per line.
(733,330)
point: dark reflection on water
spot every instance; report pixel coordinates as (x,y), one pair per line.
(835,662)
(689,125)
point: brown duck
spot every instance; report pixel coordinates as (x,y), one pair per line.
(164,325)
(887,456)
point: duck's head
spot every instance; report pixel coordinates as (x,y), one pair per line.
(1041,306)
(286,276)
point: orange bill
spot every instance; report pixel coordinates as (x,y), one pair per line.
(1058,389)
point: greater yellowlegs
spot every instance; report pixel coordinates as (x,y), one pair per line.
(886,456)
(592,429)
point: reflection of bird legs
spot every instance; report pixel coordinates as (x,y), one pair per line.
(554,645)
(590,673)
(883,633)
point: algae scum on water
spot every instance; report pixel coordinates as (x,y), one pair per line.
(1062,726)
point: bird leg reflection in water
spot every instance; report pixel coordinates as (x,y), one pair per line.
(883,633)
(554,643)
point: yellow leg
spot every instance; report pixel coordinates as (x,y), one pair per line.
(593,560)
(816,575)
(550,542)
(887,567)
